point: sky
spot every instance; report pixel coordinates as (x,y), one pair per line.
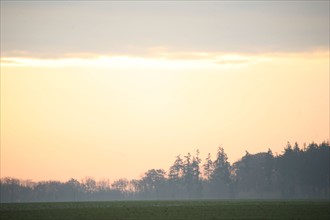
(110,89)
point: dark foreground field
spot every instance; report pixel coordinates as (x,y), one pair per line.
(169,210)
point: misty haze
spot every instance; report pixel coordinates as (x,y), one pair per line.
(296,174)
(165,110)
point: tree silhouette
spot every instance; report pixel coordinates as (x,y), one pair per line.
(296,173)
(220,177)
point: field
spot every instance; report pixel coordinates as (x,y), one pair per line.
(199,209)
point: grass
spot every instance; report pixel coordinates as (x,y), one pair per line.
(199,209)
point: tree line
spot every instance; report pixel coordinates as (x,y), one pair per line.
(296,173)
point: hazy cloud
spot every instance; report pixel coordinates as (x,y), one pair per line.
(53,29)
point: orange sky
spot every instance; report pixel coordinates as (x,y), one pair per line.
(76,110)
(103,121)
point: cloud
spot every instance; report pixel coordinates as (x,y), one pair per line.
(55,30)
(156,58)
(9,62)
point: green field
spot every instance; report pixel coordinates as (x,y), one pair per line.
(200,209)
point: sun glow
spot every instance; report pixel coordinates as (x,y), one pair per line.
(102,61)
(122,108)
(164,60)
